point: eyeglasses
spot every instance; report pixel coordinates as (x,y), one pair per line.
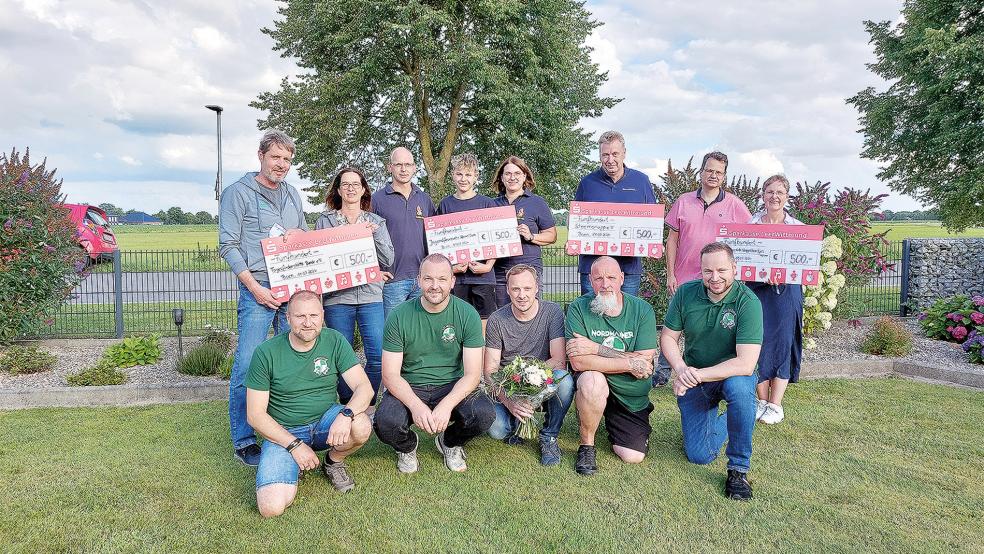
(713,173)
(351,186)
(404,165)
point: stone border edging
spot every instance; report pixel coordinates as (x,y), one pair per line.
(79,397)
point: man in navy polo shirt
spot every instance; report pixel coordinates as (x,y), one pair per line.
(613,182)
(404,206)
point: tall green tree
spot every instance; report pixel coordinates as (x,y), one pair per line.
(494,77)
(927,127)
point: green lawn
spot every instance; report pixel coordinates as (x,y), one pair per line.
(899,230)
(166,237)
(859,466)
(99,320)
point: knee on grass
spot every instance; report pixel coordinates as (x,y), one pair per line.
(273,499)
(628,455)
(700,457)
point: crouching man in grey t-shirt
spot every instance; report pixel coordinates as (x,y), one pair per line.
(529,328)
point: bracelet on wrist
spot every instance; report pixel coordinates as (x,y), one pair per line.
(294,444)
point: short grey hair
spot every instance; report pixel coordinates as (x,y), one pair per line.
(777,178)
(275,136)
(436,259)
(610,136)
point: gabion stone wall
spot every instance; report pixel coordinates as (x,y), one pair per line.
(943,267)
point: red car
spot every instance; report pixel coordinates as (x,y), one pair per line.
(94,234)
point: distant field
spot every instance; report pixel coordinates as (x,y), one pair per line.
(899,230)
(193,237)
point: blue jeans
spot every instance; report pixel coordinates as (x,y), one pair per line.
(629,286)
(253,326)
(343,318)
(278,466)
(398,292)
(705,431)
(506,424)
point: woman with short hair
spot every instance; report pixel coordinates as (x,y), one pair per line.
(782,315)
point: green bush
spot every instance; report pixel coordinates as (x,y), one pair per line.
(135,350)
(225,370)
(23,360)
(103,373)
(888,338)
(220,338)
(204,359)
(40,258)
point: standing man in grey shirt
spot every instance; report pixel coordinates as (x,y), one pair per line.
(259,205)
(529,328)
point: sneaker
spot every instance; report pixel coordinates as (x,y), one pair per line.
(549,451)
(773,414)
(760,406)
(406,462)
(737,487)
(249,455)
(513,440)
(586,463)
(454,456)
(338,475)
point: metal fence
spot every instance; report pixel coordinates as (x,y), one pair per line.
(137,292)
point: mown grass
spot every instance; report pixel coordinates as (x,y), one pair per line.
(899,230)
(166,237)
(859,465)
(99,320)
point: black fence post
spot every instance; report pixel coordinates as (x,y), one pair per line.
(118,292)
(904,298)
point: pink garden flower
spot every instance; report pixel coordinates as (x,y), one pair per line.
(959,332)
(977,317)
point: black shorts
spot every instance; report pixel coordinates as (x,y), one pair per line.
(480,296)
(627,428)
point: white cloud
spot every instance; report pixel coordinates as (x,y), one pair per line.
(130,160)
(760,162)
(211,39)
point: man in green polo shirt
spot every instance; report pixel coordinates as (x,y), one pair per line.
(722,320)
(611,342)
(432,363)
(292,401)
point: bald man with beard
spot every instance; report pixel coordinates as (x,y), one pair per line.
(404,206)
(611,343)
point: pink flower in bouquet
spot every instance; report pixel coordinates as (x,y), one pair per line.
(516,378)
(549,380)
(959,332)
(977,317)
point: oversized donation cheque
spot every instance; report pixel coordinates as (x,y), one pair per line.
(615,229)
(474,234)
(782,254)
(321,261)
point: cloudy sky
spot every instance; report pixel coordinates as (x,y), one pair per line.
(112,92)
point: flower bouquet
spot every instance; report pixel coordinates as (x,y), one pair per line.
(526,380)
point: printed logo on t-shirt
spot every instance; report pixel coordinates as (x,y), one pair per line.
(321,366)
(615,343)
(729,318)
(612,339)
(448,334)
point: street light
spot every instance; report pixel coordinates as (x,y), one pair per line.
(218,134)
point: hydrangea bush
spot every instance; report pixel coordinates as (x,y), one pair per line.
(819,300)
(40,259)
(957,319)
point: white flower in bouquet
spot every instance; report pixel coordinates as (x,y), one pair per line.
(810,301)
(534,376)
(829,268)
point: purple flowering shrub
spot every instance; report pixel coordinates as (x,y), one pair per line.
(848,213)
(40,259)
(957,319)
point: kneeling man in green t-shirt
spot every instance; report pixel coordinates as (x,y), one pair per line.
(722,321)
(432,363)
(292,401)
(611,342)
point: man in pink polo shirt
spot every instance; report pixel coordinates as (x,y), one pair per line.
(694,218)
(693,221)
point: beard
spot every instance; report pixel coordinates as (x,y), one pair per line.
(603,303)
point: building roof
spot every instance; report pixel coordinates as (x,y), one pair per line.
(139,217)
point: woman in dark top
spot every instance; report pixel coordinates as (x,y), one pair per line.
(513,181)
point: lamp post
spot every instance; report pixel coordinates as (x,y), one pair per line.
(178,315)
(218,134)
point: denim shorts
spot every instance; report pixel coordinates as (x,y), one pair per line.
(278,466)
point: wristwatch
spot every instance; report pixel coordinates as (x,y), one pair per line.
(346,411)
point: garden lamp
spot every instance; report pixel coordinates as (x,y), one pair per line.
(178,314)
